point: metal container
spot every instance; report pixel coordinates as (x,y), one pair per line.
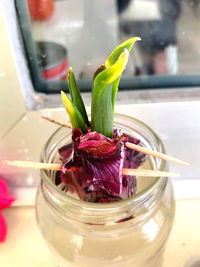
(53,60)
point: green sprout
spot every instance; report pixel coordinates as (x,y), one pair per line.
(104,89)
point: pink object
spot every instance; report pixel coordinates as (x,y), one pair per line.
(5,202)
(3,228)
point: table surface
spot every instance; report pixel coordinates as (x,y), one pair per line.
(24,245)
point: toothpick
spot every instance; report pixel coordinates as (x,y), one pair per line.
(61,123)
(33,165)
(155,154)
(130,145)
(58,167)
(149,173)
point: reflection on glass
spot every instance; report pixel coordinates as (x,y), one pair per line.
(169,31)
(52,59)
(88,30)
(151,229)
(155,21)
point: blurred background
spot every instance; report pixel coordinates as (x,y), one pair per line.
(81,33)
(89,30)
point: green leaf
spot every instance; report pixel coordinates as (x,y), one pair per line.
(102,108)
(103,95)
(76,96)
(114,93)
(75,116)
(108,75)
(128,44)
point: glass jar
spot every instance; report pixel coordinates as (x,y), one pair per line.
(126,233)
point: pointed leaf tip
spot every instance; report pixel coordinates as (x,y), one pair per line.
(75,95)
(70,70)
(75,116)
(134,39)
(62,93)
(128,44)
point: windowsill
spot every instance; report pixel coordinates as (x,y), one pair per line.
(126,97)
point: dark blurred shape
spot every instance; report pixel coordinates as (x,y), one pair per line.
(156,34)
(122,5)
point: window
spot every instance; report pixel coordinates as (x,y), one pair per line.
(81,33)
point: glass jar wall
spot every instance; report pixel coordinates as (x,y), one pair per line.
(131,232)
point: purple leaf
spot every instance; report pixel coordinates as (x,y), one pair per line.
(92,166)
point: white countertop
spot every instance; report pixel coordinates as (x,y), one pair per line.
(25,247)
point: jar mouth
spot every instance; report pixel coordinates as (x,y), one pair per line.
(159,182)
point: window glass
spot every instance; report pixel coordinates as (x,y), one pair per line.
(81,33)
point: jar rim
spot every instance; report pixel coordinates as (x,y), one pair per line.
(159,182)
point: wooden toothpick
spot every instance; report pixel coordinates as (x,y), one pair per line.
(148,173)
(58,167)
(155,154)
(130,145)
(33,165)
(61,123)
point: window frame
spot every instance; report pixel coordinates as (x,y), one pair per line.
(49,87)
